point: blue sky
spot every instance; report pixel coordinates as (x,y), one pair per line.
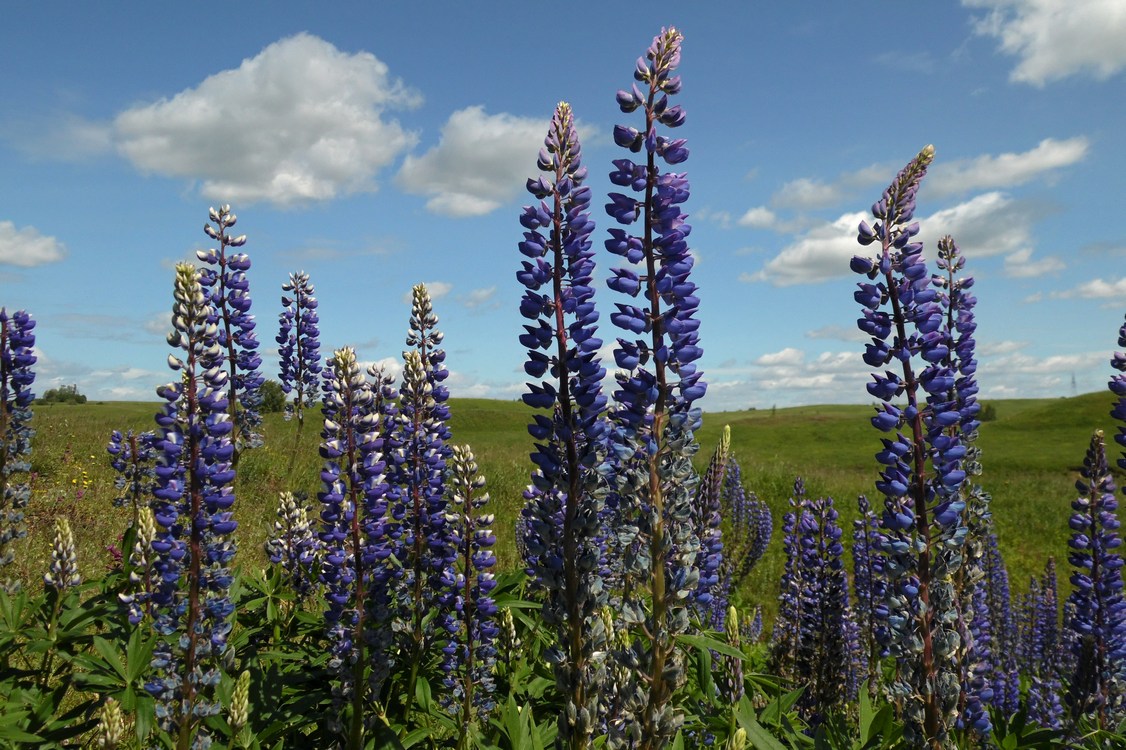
(378,145)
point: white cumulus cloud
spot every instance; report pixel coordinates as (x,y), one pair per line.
(1005,170)
(26,247)
(1054,39)
(480,162)
(301,121)
(759,217)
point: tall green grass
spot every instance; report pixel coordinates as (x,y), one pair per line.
(1031,456)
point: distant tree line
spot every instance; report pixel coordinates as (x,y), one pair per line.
(64,394)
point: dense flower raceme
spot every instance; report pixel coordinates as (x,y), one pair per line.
(229,293)
(706,516)
(562,518)
(815,637)
(133,458)
(869,586)
(16,377)
(750,526)
(142,568)
(417,459)
(63,573)
(192,507)
(299,345)
(356,544)
(654,413)
(1041,649)
(996,609)
(1098,682)
(974,628)
(923,526)
(470,653)
(295,545)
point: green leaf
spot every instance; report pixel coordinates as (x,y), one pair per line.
(760,738)
(702,641)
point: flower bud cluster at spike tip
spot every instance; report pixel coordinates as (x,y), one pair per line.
(16,376)
(64,562)
(668,298)
(192,503)
(561,529)
(229,292)
(1099,611)
(299,345)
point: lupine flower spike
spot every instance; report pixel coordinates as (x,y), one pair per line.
(111,726)
(1098,621)
(16,377)
(565,500)
(470,616)
(418,450)
(142,568)
(133,457)
(192,508)
(299,346)
(923,524)
(229,293)
(295,546)
(64,562)
(655,413)
(355,537)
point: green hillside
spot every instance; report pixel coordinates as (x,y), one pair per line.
(1031,456)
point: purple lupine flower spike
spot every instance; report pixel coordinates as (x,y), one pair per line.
(295,546)
(229,293)
(560,526)
(869,585)
(133,457)
(816,645)
(299,345)
(354,535)
(751,526)
(655,413)
(470,655)
(707,516)
(923,522)
(16,376)
(192,509)
(417,451)
(1098,620)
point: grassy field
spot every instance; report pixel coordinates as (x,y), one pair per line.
(1031,456)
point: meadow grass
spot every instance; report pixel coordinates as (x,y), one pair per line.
(1031,455)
